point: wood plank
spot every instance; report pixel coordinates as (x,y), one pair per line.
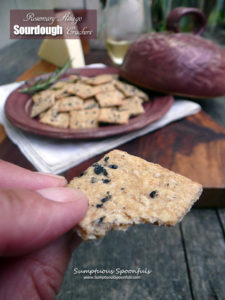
(221,216)
(2,133)
(17,58)
(11,153)
(144,246)
(205,249)
(37,69)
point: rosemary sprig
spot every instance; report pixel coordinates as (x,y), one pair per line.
(42,84)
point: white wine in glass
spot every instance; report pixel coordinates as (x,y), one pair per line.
(124,22)
(117,50)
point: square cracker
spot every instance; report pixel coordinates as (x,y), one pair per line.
(101,79)
(87,118)
(58,85)
(54,118)
(107,87)
(124,190)
(42,104)
(82,90)
(90,103)
(111,98)
(70,103)
(41,95)
(113,116)
(74,78)
(129,90)
(133,105)
(61,92)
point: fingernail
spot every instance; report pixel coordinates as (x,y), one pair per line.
(53,176)
(63,194)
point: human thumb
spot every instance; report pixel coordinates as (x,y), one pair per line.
(29,220)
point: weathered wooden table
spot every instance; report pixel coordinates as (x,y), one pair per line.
(188,260)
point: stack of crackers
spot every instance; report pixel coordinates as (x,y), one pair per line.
(88,102)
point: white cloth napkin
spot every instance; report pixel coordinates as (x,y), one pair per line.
(55,156)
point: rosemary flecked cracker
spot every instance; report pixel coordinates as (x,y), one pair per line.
(41,95)
(58,85)
(108,99)
(82,90)
(90,103)
(42,104)
(124,190)
(70,103)
(84,118)
(129,90)
(74,77)
(101,79)
(133,105)
(54,118)
(113,116)
(107,87)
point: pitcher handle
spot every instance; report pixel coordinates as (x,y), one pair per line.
(172,22)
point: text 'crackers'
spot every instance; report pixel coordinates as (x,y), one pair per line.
(124,190)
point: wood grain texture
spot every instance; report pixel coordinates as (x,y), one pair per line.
(142,246)
(17,58)
(11,153)
(37,69)
(205,248)
(221,216)
(2,133)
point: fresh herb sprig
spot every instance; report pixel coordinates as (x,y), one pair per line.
(42,84)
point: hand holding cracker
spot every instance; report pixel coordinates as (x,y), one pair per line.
(36,212)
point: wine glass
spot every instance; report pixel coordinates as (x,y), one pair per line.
(124,22)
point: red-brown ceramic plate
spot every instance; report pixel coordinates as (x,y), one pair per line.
(18,106)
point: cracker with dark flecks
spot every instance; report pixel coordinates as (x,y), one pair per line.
(141,95)
(101,79)
(113,116)
(133,105)
(87,118)
(124,190)
(70,103)
(41,95)
(61,92)
(108,99)
(58,85)
(82,90)
(74,78)
(54,118)
(86,80)
(129,90)
(107,87)
(90,103)
(42,104)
